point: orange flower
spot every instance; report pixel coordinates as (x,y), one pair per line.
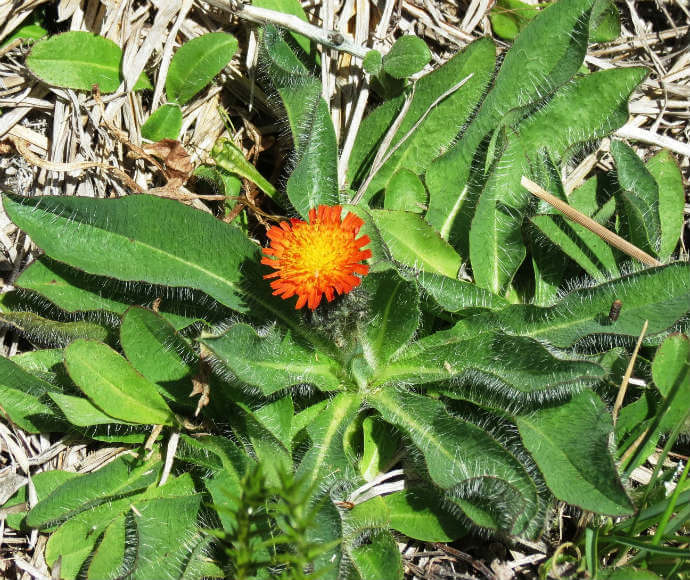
(316,258)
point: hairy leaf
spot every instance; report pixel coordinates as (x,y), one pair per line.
(671,373)
(437,130)
(496,245)
(406,192)
(45,332)
(377,557)
(44,483)
(81,412)
(23,400)
(293,7)
(576,462)
(326,457)
(515,370)
(153,549)
(581,245)
(666,173)
(379,448)
(453,295)
(418,513)
(117,238)
(408,55)
(274,360)
(463,458)
(639,199)
(394,316)
(74,291)
(659,295)
(547,53)
(122,476)
(314,179)
(154,349)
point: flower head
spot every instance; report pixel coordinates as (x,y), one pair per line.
(317,257)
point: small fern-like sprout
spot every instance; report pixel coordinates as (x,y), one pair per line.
(268,528)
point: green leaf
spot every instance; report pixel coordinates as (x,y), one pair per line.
(418,513)
(164,123)
(639,199)
(314,180)
(114,386)
(556,42)
(326,456)
(302,419)
(369,136)
(109,554)
(154,349)
(414,243)
(77,60)
(408,55)
(659,295)
(666,173)
(45,332)
(45,364)
(378,557)
(601,102)
(509,17)
(44,483)
(221,180)
(74,291)
(22,397)
(379,449)
(273,361)
(605,22)
(671,373)
(272,453)
(160,551)
(195,64)
(549,269)
(28,32)
(629,573)
(150,549)
(327,529)
(406,192)
(372,62)
(117,238)
(463,459)
(496,244)
(441,125)
(293,7)
(581,245)
(230,157)
(81,412)
(393,319)
(512,370)
(576,462)
(453,295)
(277,418)
(121,476)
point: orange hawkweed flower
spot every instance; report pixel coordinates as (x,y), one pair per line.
(318,257)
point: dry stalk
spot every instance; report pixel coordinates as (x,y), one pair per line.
(628,373)
(22,148)
(605,234)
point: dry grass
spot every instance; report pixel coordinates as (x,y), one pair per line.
(57,141)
